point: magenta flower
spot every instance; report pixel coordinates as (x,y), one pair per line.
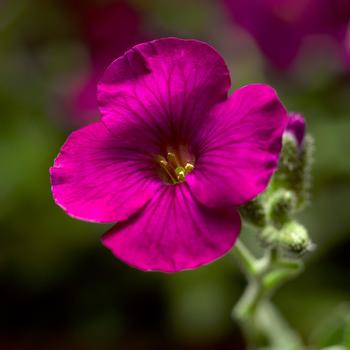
(280,26)
(172,157)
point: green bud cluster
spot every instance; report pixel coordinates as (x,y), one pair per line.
(294,170)
(273,211)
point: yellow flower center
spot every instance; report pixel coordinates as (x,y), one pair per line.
(175,166)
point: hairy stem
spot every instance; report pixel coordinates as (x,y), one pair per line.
(261,323)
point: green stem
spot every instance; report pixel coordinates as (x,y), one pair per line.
(246,260)
(246,306)
(260,321)
(277,331)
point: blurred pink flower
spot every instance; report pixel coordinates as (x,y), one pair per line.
(172,157)
(296,126)
(107,30)
(280,26)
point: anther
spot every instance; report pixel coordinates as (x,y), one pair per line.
(180,173)
(189,167)
(171,157)
(172,166)
(165,166)
(163,163)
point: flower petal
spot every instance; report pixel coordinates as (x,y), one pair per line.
(173,233)
(166,86)
(239,147)
(97,177)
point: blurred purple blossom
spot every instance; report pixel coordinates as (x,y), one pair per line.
(280,26)
(107,30)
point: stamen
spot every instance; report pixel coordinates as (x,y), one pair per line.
(180,173)
(165,166)
(189,167)
(171,157)
(172,167)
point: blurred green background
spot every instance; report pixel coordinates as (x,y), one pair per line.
(59,288)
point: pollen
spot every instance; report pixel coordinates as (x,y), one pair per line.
(175,166)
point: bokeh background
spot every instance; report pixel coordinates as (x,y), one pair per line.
(59,288)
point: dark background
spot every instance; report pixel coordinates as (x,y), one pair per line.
(59,287)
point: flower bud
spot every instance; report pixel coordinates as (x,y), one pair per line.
(292,238)
(269,236)
(296,127)
(254,212)
(295,161)
(281,207)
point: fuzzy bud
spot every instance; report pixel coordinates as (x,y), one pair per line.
(269,236)
(296,127)
(281,207)
(292,238)
(295,161)
(254,212)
